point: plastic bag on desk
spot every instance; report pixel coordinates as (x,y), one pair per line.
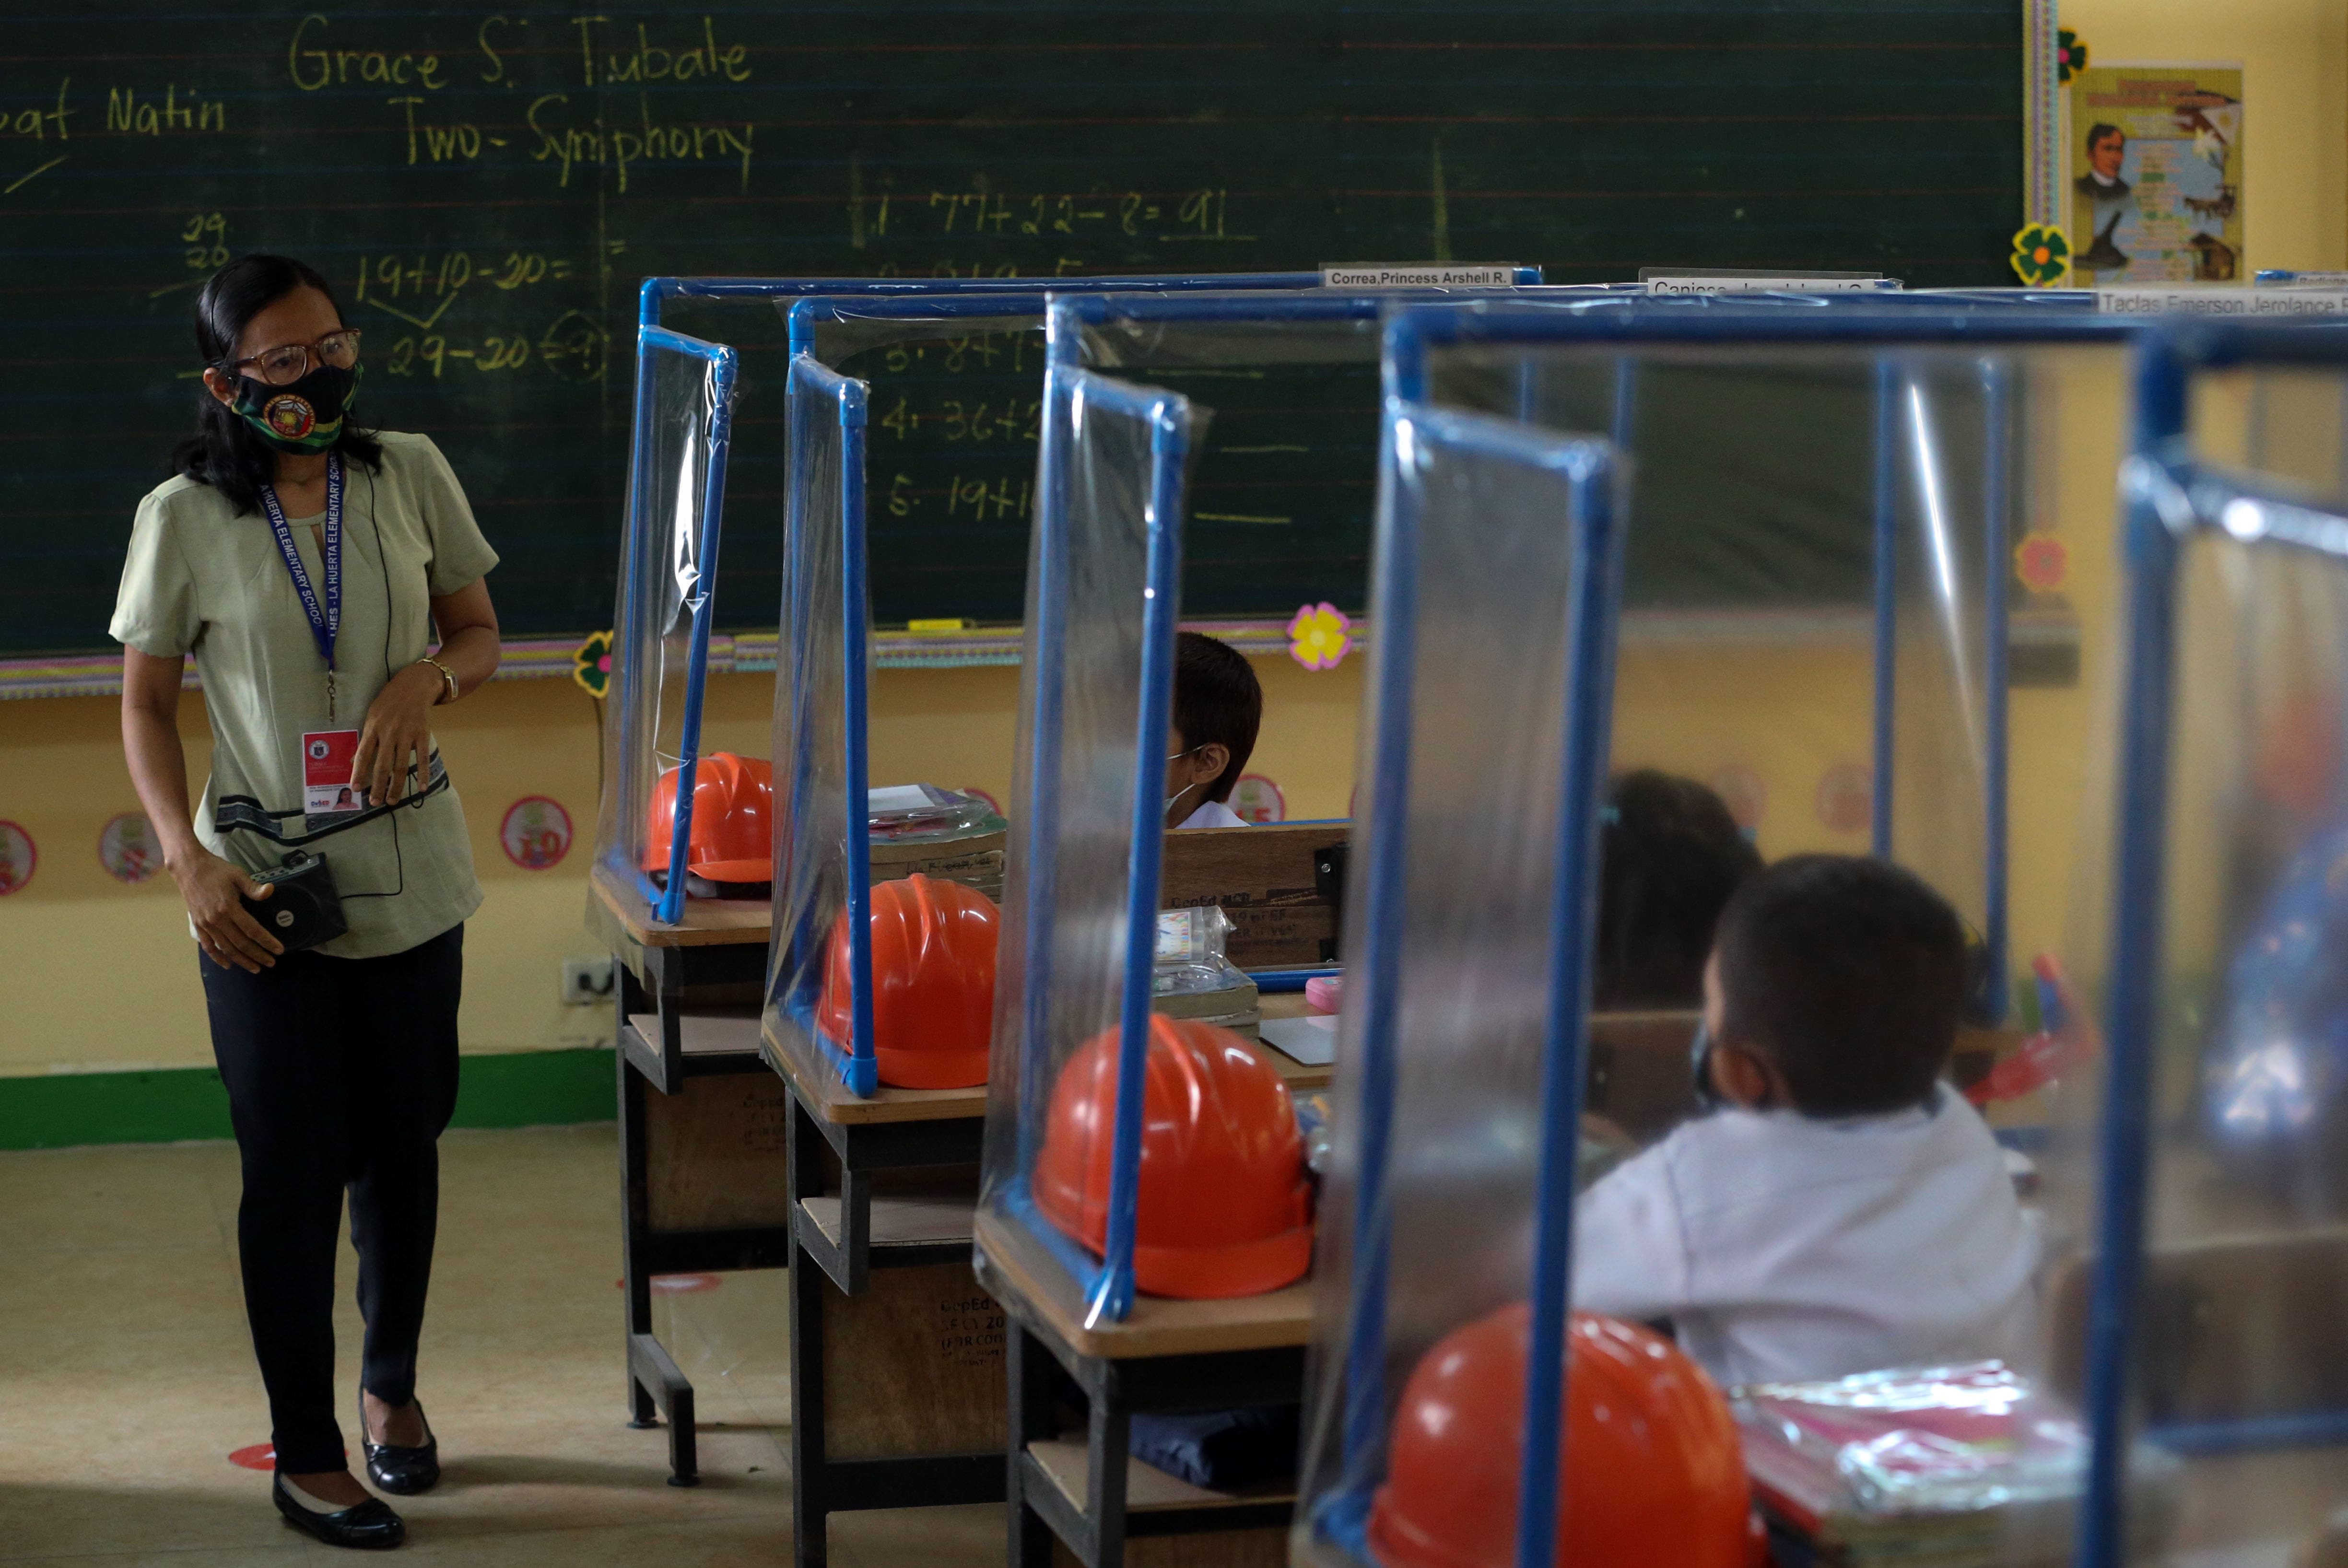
(1190,952)
(1955,1466)
(1915,1441)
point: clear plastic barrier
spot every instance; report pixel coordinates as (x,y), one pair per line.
(1847,563)
(685,388)
(919,1016)
(1870,597)
(2202,1303)
(827,1004)
(819,767)
(1294,385)
(1466,931)
(1074,972)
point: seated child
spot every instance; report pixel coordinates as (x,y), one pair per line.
(1218,707)
(1672,854)
(1843,1210)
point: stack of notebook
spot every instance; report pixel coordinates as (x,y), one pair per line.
(1944,1467)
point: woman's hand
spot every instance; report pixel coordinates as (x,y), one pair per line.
(212,888)
(396,735)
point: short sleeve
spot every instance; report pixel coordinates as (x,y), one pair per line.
(155,608)
(460,556)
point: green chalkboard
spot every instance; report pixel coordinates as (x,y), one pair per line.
(487,186)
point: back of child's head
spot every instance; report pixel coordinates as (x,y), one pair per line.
(1670,857)
(1847,973)
(1217,701)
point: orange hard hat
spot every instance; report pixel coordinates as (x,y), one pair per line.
(932,982)
(1226,1208)
(733,819)
(1651,1471)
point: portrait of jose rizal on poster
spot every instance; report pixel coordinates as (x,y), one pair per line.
(2156,174)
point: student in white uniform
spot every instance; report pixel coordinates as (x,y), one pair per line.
(1218,708)
(1842,1210)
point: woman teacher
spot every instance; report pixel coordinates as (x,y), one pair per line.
(307,564)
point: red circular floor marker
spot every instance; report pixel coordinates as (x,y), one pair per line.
(260,1457)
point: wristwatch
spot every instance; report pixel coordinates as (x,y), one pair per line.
(447,677)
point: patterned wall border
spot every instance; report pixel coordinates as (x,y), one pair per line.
(2043,114)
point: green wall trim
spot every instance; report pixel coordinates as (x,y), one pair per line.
(170,1105)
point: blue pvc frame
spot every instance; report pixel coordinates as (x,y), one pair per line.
(811,388)
(907,301)
(1411,334)
(1108,1286)
(668,906)
(668,903)
(2027,316)
(1590,468)
(2162,508)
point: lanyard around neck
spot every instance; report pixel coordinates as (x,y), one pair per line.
(327,619)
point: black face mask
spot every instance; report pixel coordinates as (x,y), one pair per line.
(1707,1098)
(304,416)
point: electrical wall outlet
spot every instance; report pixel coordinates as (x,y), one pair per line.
(586,981)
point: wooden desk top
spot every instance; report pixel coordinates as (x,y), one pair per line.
(819,1085)
(1283,1003)
(1158,1326)
(708,922)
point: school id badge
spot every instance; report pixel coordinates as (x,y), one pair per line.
(327,795)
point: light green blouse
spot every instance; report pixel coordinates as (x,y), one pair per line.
(201,580)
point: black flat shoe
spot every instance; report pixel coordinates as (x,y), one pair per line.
(404,1471)
(369,1526)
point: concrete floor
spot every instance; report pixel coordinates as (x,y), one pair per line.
(127,1378)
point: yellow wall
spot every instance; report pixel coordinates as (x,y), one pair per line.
(102,976)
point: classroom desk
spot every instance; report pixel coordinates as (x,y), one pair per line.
(897,1357)
(1166,1356)
(700,1134)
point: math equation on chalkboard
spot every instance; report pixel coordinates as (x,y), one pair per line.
(486,186)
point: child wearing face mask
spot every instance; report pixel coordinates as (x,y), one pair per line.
(1843,1210)
(1218,707)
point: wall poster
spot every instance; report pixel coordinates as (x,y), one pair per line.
(2156,175)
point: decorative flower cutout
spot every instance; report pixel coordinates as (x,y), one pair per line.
(1320,636)
(2070,55)
(2042,563)
(591,667)
(2041,255)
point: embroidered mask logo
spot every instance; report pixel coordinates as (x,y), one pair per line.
(304,417)
(290,416)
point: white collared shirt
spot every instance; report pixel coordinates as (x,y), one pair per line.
(1784,1247)
(1212,814)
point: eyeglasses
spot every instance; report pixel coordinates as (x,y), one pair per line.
(289,362)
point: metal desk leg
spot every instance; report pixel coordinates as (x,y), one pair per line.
(653,1380)
(634,1204)
(811,1483)
(1032,1421)
(650,1366)
(1111,1429)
